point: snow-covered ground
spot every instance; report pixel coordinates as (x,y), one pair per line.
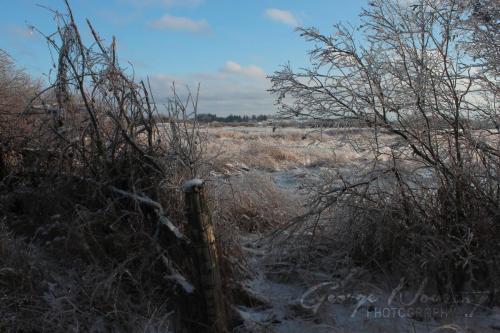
(348,301)
(322,298)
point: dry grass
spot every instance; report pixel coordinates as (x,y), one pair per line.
(270,157)
(265,150)
(248,205)
(73,266)
(257,133)
(253,204)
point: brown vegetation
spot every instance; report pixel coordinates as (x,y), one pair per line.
(91,237)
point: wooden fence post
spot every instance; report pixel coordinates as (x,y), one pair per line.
(3,165)
(202,235)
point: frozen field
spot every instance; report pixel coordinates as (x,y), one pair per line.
(299,280)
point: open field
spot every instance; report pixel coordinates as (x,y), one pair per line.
(291,268)
(289,148)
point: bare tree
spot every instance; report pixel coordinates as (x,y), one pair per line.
(481,22)
(416,71)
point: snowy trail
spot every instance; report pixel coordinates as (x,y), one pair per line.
(286,310)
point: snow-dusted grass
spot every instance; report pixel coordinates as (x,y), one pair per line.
(284,149)
(286,256)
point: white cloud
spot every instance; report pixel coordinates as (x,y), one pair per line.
(180,23)
(282,16)
(234,89)
(251,70)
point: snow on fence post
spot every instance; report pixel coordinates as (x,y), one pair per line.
(202,235)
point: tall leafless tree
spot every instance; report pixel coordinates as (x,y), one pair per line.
(425,72)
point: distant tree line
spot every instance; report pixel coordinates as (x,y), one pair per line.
(209,117)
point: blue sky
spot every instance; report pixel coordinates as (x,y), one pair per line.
(227,46)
